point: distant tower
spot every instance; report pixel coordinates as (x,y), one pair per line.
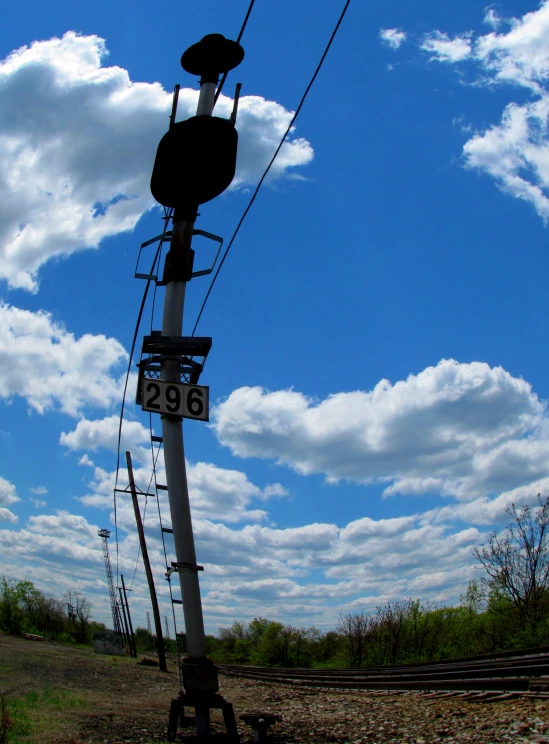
(166,629)
(104,535)
(149,623)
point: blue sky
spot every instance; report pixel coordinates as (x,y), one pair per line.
(378,368)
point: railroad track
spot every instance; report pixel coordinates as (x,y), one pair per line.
(492,676)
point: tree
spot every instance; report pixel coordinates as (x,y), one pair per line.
(79,613)
(11,613)
(391,621)
(517,564)
(356,630)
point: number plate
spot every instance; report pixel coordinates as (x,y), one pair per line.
(176,399)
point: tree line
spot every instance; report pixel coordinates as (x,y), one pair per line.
(25,609)
(507,608)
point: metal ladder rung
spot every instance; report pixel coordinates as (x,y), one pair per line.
(156,439)
(177,601)
(168,530)
(160,487)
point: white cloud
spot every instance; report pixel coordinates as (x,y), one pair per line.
(393,37)
(456,428)
(274,491)
(7,516)
(8,493)
(215,493)
(414,486)
(492,19)
(443,49)
(300,575)
(521,55)
(85,461)
(8,496)
(45,364)
(515,151)
(38,503)
(490,511)
(39,490)
(103,434)
(78,143)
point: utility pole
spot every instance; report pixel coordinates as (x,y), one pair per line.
(166,630)
(125,619)
(132,636)
(146,563)
(195,162)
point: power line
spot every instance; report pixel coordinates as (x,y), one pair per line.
(153,473)
(254,195)
(224,76)
(134,340)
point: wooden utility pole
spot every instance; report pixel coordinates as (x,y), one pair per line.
(132,636)
(128,640)
(144,553)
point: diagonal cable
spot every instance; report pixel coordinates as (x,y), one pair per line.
(224,76)
(268,168)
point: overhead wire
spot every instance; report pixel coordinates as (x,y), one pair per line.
(158,258)
(167,215)
(239,37)
(268,168)
(121,418)
(168,577)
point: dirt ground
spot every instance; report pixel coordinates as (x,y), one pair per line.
(124,702)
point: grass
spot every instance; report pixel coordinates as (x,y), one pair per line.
(40,717)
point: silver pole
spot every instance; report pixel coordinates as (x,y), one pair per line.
(172,435)
(206,99)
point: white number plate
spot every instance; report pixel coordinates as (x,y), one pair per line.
(177,399)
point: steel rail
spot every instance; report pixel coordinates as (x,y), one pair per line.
(493,668)
(527,671)
(536,652)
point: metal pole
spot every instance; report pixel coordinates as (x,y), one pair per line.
(134,647)
(126,628)
(144,553)
(172,429)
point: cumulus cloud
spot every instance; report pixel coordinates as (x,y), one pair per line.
(514,150)
(300,575)
(103,434)
(78,143)
(8,496)
(7,516)
(45,364)
(461,429)
(8,493)
(38,503)
(492,19)
(39,490)
(215,493)
(515,153)
(490,511)
(393,37)
(444,49)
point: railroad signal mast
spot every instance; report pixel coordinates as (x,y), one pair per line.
(195,162)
